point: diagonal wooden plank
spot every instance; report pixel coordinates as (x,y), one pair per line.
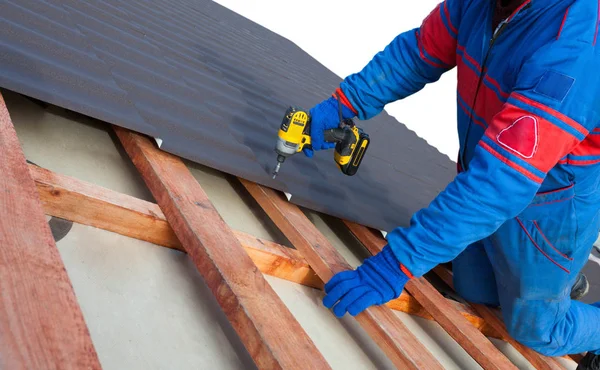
(41,324)
(88,204)
(380,323)
(269,331)
(374,242)
(79,201)
(459,328)
(535,358)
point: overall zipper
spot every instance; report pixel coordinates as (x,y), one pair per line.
(497,33)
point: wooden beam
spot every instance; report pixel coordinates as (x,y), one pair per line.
(471,339)
(374,242)
(491,317)
(88,204)
(269,331)
(41,323)
(459,328)
(408,304)
(400,345)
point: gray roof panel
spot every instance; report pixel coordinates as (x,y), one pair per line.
(213,86)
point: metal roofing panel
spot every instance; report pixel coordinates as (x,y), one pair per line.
(213,86)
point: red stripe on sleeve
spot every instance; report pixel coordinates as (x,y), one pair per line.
(597,23)
(436,38)
(511,164)
(448,18)
(563,23)
(589,146)
(406,272)
(581,162)
(422,53)
(569,121)
(344,100)
(551,142)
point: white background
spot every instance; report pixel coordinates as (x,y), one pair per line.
(345,35)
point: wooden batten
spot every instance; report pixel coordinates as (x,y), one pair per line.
(399,344)
(88,204)
(41,323)
(268,330)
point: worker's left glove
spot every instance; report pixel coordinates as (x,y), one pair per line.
(377,281)
(325,116)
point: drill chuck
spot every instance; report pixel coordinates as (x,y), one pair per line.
(280,160)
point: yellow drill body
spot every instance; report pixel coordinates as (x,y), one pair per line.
(294,136)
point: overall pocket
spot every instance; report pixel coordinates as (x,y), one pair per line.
(550,224)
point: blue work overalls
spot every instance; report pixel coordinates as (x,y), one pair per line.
(520,218)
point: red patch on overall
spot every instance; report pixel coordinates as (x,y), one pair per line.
(521,137)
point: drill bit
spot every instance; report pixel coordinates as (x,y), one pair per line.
(280,160)
(276,170)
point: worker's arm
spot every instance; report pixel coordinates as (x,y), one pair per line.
(405,66)
(412,60)
(552,108)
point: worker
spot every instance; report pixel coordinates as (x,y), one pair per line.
(519,220)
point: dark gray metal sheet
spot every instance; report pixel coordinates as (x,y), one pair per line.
(213,86)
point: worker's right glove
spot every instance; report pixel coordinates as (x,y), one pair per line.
(378,280)
(325,116)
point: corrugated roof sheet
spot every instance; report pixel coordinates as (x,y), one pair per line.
(213,86)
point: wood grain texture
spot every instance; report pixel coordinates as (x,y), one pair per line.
(401,346)
(41,323)
(92,205)
(466,335)
(408,304)
(88,204)
(457,326)
(270,333)
(491,317)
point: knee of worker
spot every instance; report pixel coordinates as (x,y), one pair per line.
(476,291)
(473,276)
(536,325)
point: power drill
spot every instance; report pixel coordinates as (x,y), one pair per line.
(294,135)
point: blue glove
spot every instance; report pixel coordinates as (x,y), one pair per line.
(325,116)
(377,281)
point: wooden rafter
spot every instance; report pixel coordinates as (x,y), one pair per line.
(88,204)
(64,196)
(469,338)
(400,345)
(41,323)
(374,243)
(539,361)
(269,331)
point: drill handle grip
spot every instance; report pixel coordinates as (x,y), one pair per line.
(344,137)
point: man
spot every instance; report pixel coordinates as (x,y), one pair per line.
(521,217)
